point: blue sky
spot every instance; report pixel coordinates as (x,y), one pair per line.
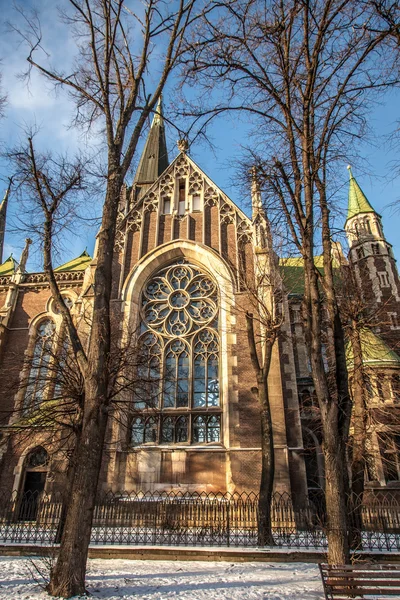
(39,105)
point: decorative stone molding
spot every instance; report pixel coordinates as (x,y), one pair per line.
(227,214)
(181,167)
(211,197)
(33,278)
(196,183)
(5,280)
(183,145)
(134,221)
(244,232)
(150,203)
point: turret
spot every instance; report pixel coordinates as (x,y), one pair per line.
(370,252)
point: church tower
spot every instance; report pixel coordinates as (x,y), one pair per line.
(372,256)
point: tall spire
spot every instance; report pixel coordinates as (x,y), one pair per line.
(358,202)
(3,216)
(154,159)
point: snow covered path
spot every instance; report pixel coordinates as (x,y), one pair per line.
(161,580)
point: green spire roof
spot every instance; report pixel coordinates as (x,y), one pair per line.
(8,267)
(154,159)
(374,350)
(77,264)
(358,202)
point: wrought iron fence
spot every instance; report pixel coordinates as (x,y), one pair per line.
(192,519)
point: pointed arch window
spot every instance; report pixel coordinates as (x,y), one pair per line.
(180,312)
(176,375)
(39,378)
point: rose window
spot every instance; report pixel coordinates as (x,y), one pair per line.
(179,300)
(180,348)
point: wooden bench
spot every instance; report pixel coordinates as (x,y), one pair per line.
(360,581)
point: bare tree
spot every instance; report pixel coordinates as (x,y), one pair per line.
(389,12)
(3,97)
(50,395)
(304,72)
(263,310)
(361,319)
(109,84)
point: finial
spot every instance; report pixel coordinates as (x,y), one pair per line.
(350,172)
(183,145)
(255,191)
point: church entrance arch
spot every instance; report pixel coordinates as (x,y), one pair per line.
(33,482)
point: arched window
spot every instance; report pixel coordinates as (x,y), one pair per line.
(147,392)
(199,429)
(150,430)
(180,310)
(39,378)
(176,375)
(137,431)
(205,370)
(168,428)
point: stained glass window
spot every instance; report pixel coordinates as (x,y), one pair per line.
(39,374)
(180,311)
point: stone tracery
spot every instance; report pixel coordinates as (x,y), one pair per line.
(179,310)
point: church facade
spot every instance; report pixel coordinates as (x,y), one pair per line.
(186,258)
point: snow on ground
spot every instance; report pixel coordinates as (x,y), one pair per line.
(161,580)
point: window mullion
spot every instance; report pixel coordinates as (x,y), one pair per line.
(206,356)
(176,380)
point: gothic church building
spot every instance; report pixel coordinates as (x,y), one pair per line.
(182,254)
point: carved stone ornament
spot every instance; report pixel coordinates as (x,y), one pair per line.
(182,144)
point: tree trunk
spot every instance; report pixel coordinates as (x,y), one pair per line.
(66,495)
(68,576)
(334,423)
(265,537)
(358,461)
(338,548)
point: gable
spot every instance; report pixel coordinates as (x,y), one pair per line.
(199,191)
(183,204)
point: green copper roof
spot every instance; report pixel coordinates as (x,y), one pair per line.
(8,267)
(292,270)
(374,350)
(77,264)
(358,202)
